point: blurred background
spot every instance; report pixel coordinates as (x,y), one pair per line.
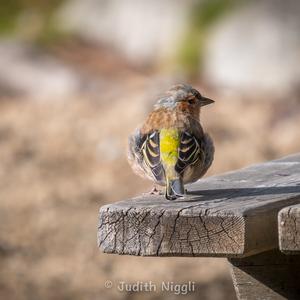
(77,76)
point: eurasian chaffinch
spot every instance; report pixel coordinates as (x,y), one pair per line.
(170,147)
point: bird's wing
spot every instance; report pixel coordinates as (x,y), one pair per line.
(190,151)
(134,154)
(151,154)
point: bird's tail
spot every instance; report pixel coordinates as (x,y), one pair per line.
(174,188)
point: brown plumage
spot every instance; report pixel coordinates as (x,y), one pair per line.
(171,147)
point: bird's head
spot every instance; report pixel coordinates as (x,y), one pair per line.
(182,96)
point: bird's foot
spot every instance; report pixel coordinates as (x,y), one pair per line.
(155,191)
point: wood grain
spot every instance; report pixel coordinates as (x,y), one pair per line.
(289,229)
(232,215)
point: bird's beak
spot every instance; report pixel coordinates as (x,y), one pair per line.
(205,101)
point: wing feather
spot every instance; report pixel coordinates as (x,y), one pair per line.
(151,155)
(189,151)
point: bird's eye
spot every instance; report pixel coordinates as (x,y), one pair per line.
(191,101)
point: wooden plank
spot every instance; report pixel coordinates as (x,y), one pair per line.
(268,275)
(289,229)
(233,215)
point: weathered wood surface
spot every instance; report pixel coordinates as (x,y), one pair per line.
(233,215)
(268,275)
(289,229)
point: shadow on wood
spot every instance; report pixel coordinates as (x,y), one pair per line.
(271,274)
(207,195)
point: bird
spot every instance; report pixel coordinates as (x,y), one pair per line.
(170,147)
